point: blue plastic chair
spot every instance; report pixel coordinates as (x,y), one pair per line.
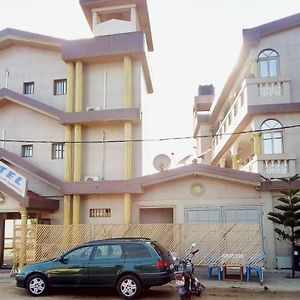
(255,264)
(219,271)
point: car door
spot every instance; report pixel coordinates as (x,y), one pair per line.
(72,268)
(107,262)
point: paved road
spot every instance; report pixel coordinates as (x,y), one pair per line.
(8,291)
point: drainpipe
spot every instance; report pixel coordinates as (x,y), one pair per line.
(104,88)
(6,78)
(3,138)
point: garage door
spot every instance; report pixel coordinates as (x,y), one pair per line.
(218,215)
(242,215)
(223,215)
(202,215)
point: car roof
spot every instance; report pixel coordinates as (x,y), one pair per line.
(121,239)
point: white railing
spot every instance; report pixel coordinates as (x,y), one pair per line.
(230,117)
(270,89)
(276,166)
(273,165)
(253,91)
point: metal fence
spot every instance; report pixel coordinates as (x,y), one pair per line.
(218,243)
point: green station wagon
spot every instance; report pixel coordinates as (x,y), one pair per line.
(130,265)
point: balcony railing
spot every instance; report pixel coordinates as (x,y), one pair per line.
(235,113)
(253,91)
(270,89)
(272,165)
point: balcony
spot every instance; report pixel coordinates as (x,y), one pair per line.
(272,165)
(252,92)
(268,90)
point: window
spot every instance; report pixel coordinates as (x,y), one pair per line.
(268,63)
(272,140)
(79,254)
(60,87)
(135,251)
(58,150)
(100,212)
(28,88)
(27,150)
(108,251)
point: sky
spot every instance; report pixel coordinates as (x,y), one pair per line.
(195,42)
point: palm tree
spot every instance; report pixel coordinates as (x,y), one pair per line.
(287,219)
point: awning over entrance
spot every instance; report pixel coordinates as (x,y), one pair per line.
(38,202)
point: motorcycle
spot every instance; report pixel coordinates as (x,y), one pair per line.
(187,284)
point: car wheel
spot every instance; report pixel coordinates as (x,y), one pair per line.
(129,287)
(36,285)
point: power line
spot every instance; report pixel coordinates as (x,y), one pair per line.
(150,139)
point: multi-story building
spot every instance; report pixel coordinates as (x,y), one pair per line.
(253,125)
(69,111)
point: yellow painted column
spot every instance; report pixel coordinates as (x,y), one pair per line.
(257,143)
(77,173)
(70,86)
(235,163)
(22,256)
(77,139)
(68,139)
(128,135)
(78,86)
(68,173)
(254,67)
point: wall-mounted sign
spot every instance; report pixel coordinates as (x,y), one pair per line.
(13,179)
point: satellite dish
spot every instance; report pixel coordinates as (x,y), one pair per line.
(161,162)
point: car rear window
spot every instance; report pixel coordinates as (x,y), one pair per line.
(161,250)
(135,250)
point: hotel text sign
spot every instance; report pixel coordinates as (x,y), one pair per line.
(12,179)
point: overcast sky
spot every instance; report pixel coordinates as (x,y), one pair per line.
(195,42)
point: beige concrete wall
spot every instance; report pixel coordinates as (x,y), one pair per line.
(178,194)
(94,82)
(113,167)
(114,202)
(21,123)
(57,217)
(10,204)
(27,64)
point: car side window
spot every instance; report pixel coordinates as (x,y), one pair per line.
(108,251)
(136,251)
(82,253)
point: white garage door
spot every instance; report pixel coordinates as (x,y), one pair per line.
(218,215)
(223,215)
(242,215)
(202,215)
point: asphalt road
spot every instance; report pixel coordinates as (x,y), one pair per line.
(9,291)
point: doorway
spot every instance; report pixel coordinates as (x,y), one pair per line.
(157,215)
(7,225)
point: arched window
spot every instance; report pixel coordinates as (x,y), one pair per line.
(272,134)
(268,63)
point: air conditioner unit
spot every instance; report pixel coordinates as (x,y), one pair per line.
(92,108)
(91,178)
